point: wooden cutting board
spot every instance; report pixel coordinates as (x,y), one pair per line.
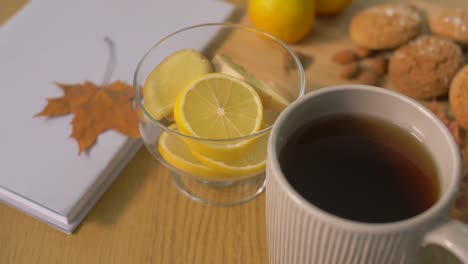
(329,35)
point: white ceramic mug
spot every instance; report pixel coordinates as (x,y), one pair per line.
(299,232)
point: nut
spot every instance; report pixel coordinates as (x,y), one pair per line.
(368,77)
(349,71)
(379,65)
(345,56)
(364,53)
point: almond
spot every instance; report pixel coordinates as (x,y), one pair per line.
(368,77)
(379,65)
(350,70)
(345,56)
(364,53)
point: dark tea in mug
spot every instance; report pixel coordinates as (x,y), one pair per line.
(360,168)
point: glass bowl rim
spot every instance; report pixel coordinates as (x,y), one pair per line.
(148,116)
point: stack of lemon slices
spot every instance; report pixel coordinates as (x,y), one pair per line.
(217,108)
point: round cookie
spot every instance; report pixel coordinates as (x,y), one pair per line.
(450,23)
(424,68)
(458,97)
(385,26)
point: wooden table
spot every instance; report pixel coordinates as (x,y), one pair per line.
(142,218)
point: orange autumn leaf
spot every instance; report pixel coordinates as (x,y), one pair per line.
(72,95)
(95,109)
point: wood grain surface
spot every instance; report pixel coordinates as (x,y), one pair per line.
(142,218)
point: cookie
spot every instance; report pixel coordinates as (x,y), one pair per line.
(451,23)
(385,26)
(424,68)
(458,97)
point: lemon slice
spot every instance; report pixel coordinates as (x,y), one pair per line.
(218,106)
(171,76)
(253,160)
(175,152)
(270,98)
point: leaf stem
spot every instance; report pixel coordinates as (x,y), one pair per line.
(111,62)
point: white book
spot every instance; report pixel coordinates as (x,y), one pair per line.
(41,172)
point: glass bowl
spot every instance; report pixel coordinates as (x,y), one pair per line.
(263,56)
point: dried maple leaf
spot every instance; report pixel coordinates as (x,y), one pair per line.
(109,108)
(96,109)
(73,95)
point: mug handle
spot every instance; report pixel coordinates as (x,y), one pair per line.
(451,235)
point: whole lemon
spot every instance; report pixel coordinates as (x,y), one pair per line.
(288,20)
(331,7)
